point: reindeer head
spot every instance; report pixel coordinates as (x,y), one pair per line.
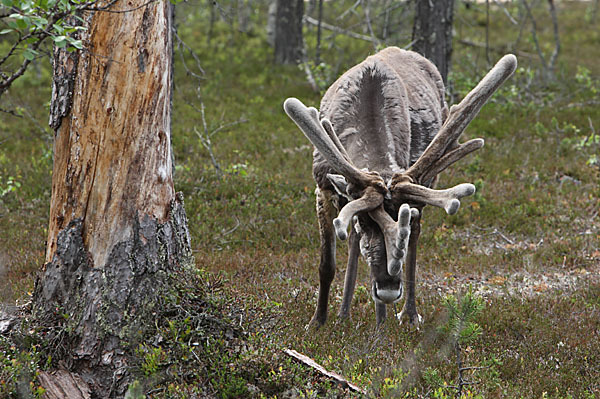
(381,207)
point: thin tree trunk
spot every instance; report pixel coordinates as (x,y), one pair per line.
(320,19)
(487,32)
(289,43)
(554,56)
(386,21)
(548,66)
(432,32)
(117,228)
(272,23)
(213,20)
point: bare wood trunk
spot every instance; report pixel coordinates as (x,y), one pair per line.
(117,228)
(432,32)
(112,155)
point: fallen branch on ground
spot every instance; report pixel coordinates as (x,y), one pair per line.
(335,376)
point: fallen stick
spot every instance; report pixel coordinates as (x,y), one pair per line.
(335,376)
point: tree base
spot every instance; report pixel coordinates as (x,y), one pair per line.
(62,384)
(94,316)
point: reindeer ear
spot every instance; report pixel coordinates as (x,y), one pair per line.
(340,184)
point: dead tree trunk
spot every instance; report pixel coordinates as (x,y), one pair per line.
(117,228)
(432,32)
(289,43)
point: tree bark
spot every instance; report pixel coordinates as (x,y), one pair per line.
(289,44)
(117,228)
(271,23)
(432,32)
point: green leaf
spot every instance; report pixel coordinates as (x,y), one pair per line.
(21,23)
(58,28)
(77,17)
(29,54)
(60,43)
(28,20)
(5,31)
(7,3)
(76,43)
(40,22)
(71,29)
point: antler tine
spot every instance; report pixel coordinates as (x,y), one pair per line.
(448,199)
(395,234)
(461,115)
(326,123)
(321,134)
(451,157)
(388,227)
(370,200)
(307,120)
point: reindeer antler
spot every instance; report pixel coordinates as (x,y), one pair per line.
(369,186)
(328,144)
(444,149)
(395,234)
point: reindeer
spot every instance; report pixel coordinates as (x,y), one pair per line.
(383,135)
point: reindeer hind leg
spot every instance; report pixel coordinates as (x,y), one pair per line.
(326,212)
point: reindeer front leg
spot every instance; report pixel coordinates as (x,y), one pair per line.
(326,212)
(409,311)
(350,280)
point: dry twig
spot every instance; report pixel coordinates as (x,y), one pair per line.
(339,30)
(330,374)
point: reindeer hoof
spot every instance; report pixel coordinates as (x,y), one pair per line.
(411,316)
(343,315)
(314,324)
